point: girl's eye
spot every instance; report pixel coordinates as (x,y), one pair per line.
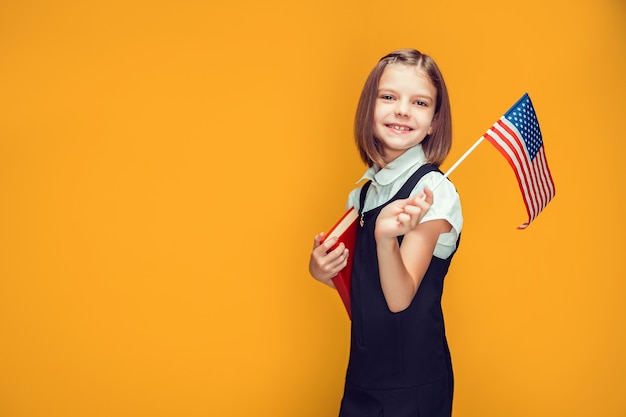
(386,97)
(421,103)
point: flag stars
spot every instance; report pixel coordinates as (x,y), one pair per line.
(523,117)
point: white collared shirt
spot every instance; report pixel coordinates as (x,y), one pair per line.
(387,182)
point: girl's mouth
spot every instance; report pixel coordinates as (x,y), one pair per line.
(399,128)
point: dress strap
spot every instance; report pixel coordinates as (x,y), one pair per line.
(405,190)
(364,189)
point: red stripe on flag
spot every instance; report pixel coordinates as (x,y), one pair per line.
(546,175)
(523,187)
(508,149)
(537,194)
(533,177)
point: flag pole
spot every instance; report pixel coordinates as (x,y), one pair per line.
(457,163)
(462,158)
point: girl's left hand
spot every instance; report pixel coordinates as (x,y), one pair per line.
(401,216)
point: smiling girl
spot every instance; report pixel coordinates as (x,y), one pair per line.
(399,359)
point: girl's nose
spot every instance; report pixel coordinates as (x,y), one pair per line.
(402,108)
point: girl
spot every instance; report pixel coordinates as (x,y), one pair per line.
(399,359)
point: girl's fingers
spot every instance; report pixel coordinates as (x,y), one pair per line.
(329,243)
(404,219)
(429,195)
(317,239)
(414,214)
(341,261)
(329,259)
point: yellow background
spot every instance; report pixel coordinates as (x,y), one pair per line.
(165,165)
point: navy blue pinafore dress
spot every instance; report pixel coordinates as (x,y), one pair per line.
(399,363)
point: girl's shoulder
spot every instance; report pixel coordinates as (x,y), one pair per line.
(444,191)
(446,200)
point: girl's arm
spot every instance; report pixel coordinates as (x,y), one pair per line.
(402,267)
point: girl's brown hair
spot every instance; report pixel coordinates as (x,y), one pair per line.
(436,145)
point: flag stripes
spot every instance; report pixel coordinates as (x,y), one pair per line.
(532,171)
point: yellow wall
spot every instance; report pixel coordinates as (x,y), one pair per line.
(165,165)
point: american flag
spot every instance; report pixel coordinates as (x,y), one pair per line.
(518,138)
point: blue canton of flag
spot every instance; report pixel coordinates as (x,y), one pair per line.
(524,119)
(518,138)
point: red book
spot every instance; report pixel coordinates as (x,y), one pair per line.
(345,230)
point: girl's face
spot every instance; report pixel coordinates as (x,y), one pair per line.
(404,110)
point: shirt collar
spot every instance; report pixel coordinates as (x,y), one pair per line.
(395,168)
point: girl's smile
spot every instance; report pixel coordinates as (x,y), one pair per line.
(400,128)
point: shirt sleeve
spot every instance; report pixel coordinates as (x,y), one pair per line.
(353,198)
(447,206)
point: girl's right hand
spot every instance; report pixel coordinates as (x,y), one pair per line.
(325,264)
(402,216)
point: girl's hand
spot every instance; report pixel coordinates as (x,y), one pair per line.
(324,265)
(401,216)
